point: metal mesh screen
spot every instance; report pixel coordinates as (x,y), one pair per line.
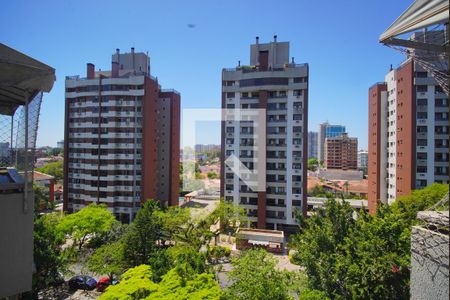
(430,240)
(18,136)
(435,62)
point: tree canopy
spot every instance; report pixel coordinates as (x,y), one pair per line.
(137,284)
(89,221)
(366,258)
(313,164)
(254,276)
(54,169)
(47,250)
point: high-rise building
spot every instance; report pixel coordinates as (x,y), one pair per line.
(313,143)
(60,144)
(327,131)
(280,88)
(408,134)
(341,152)
(122,138)
(363,159)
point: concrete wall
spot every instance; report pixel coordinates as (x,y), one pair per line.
(16,244)
(429,264)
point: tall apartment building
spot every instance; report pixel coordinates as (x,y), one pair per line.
(122,138)
(313,144)
(341,152)
(327,130)
(279,87)
(408,134)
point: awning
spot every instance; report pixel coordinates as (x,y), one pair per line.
(21,78)
(421,14)
(260,243)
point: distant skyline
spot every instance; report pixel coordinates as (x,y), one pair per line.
(189,42)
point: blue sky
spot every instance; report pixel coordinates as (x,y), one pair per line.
(339,40)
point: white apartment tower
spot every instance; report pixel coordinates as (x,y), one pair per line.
(278,88)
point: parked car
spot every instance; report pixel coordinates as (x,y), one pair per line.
(82,282)
(104,282)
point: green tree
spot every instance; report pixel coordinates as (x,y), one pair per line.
(41,200)
(114,234)
(254,276)
(54,169)
(366,258)
(175,287)
(212,175)
(308,294)
(54,151)
(47,250)
(141,241)
(320,241)
(108,259)
(313,163)
(87,222)
(137,284)
(319,191)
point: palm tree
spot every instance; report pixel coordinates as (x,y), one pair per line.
(346,187)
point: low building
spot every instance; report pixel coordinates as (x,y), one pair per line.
(336,174)
(270,240)
(46,181)
(347,187)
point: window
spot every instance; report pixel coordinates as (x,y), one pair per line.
(422,155)
(271,106)
(264,81)
(229,152)
(298,92)
(422,102)
(421,129)
(422,115)
(441,116)
(421,142)
(297,116)
(230,95)
(421,169)
(441,129)
(421,74)
(300,79)
(422,88)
